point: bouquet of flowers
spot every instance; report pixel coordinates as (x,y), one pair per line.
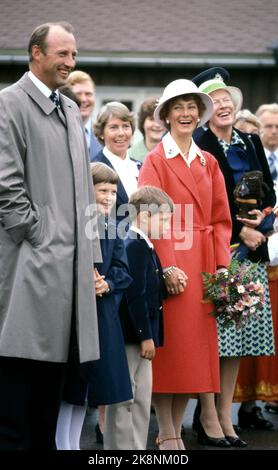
(237,293)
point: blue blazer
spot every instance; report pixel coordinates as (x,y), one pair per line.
(107,380)
(256,158)
(95,147)
(122,197)
(141,310)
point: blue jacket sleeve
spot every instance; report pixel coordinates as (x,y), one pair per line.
(118,276)
(136,294)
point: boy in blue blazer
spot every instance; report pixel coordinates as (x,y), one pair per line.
(107,379)
(126,424)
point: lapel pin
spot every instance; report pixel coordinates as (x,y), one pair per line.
(203,160)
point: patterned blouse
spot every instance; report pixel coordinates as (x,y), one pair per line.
(235,140)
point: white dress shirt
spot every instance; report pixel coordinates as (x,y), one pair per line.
(268,153)
(40,85)
(88,131)
(126,169)
(172,150)
(142,235)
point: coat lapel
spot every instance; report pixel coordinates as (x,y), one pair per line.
(43,102)
(183,173)
(209,142)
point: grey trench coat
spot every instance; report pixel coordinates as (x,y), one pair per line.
(46,260)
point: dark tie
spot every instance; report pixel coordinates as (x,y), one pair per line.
(272,166)
(55,99)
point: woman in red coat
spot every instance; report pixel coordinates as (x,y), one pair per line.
(188,362)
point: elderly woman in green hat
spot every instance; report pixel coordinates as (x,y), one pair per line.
(238,153)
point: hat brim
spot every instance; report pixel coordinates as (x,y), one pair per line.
(207,101)
(236,97)
(235,93)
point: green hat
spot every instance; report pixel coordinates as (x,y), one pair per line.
(217,83)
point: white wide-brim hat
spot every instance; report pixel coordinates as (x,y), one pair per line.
(183,87)
(217,84)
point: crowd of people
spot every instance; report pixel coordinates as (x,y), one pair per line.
(103,242)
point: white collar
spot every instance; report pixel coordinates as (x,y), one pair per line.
(172,150)
(40,85)
(142,235)
(88,125)
(115,158)
(269,152)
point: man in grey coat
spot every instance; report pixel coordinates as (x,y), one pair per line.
(47,297)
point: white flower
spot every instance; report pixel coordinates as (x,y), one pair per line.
(252,310)
(240,289)
(255,300)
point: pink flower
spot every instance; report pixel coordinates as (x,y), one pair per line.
(247,301)
(239,306)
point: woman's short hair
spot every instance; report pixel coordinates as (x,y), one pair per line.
(246,116)
(188,97)
(146,110)
(113,108)
(149,198)
(102,173)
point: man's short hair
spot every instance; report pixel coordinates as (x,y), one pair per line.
(271,108)
(40,33)
(78,76)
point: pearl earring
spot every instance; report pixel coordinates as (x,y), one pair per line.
(198,120)
(167,121)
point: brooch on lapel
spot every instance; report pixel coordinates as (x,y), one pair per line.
(203,160)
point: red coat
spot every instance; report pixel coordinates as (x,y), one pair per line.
(188,362)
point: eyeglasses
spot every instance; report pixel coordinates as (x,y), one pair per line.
(225,101)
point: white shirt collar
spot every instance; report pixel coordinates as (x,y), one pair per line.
(114,158)
(172,150)
(127,170)
(40,85)
(88,126)
(269,152)
(118,162)
(142,235)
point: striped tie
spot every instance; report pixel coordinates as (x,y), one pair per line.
(55,99)
(272,165)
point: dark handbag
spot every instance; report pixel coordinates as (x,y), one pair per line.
(248,193)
